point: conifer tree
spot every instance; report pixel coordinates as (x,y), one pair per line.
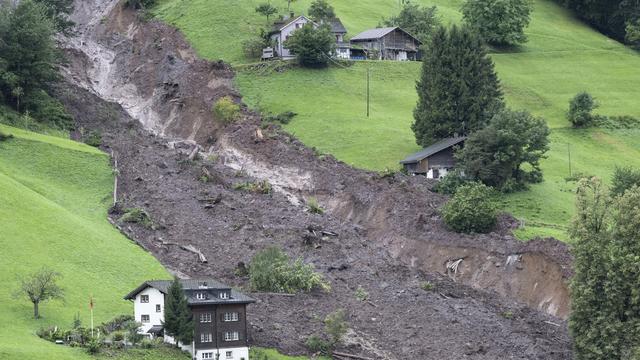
(458,91)
(178,321)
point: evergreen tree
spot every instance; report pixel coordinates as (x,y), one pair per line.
(605,318)
(458,91)
(178,320)
(59,11)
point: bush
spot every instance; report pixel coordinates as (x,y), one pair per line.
(312,47)
(117,336)
(138,216)
(316,344)
(272,270)
(361,294)
(140,4)
(450,183)
(314,207)
(283,118)
(252,48)
(48,110)
(499,22)
(226,110)
(624,178)
(260,187)
(4,137)
(617,122)
(427,286)
(335,325)
(94,346)
(93,139)
(580,108)
(471,210)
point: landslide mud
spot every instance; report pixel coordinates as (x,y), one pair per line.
(391,238)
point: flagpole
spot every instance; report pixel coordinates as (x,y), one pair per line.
(91,307)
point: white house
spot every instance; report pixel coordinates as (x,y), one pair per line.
(283,29)
(219,316)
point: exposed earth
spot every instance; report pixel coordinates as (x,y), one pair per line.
(505,299)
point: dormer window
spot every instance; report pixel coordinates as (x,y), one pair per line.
(203,285)
(224,295)
(201,296)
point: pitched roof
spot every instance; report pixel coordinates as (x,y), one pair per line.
(281,24)
(337,27)
(194,284)
(374,33)
(433,149)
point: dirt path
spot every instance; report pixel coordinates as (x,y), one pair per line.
(390,241)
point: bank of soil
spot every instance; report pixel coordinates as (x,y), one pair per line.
(504,298)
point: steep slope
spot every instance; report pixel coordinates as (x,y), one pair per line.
(53,203)
(563,56)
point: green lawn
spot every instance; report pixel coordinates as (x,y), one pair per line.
(563,56)
(54,195)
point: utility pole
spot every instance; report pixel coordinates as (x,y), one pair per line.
(569,152)
(368,81)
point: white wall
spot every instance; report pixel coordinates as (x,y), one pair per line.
(236,353)
(155,318)
(287,31)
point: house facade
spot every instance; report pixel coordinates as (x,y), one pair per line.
(283,29)
(219,317)
(435,161)
(391,43)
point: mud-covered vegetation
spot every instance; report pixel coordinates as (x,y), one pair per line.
(471,210)
(272,270)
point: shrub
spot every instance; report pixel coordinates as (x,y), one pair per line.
(5,137)
(140,4)
(226,110)
(624,178)
(471,210)
(313,206)
(499,22)
(94,346)
(48,110)
(580,108)
(272,270)
(93,139)
(335,325)
(361,294)
(450,183)
(427,286)
(138,216)
(283,118)
(117,336)
(316,344)
(312,47)
(260,187)
(252,48)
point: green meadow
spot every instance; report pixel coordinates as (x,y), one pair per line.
(54,196)
(563,56)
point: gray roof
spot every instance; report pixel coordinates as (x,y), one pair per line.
(281,24)
(433,149)
(337,27)
(373,33)
(194,284)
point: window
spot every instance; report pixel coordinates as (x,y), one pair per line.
(207,355)
(144,318)
(224,295)
(206,338)
(201,296)
(231,316)
(229,354)
(298,25)
(144,298)
(231,336)
(205,317)
(158,308)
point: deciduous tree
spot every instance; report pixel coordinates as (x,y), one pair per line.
(312,47)
(420,22)
(39,287)
(266,9)
(496,154)
(320,10)
(499,22)
(458,89)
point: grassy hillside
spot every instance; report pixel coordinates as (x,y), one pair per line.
(563,56)
(53,203)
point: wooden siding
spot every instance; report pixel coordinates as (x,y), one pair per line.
(217,327)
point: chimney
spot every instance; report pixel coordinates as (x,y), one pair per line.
(292,14)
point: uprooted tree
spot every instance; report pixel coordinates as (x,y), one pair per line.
(39,287)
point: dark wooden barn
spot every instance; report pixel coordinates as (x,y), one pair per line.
(434,161)
(390,43)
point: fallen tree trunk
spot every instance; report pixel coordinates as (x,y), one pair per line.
(351,356)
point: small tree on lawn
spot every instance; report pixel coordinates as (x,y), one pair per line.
(458,89)
(39,287)
(498,154)
(321,10)
(312,47)
(178,320)
(580,110)
(420,22)
(499,22)
(471,210)
(266,9)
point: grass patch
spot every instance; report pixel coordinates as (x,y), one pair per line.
(563,57)
(256,353)
(55,195)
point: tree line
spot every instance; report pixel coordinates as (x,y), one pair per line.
(29,58)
